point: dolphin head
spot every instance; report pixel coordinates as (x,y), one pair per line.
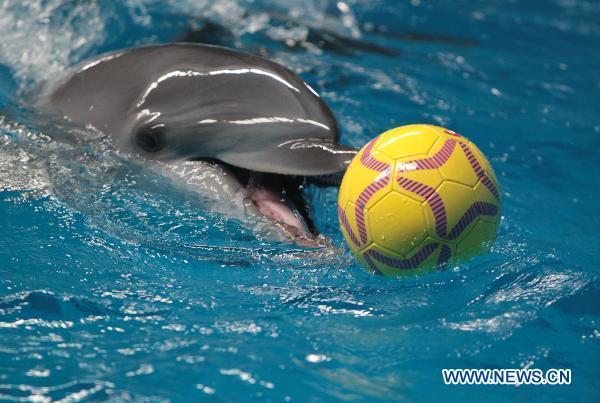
(182,102)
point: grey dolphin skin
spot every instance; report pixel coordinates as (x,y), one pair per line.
(187,101)
(189,106)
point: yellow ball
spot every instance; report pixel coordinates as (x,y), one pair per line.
(416,197)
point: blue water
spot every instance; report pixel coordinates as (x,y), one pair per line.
(115,285)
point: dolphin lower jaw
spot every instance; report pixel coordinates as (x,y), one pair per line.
(282,213)
(272,204)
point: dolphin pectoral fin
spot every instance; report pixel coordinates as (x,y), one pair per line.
(303,157)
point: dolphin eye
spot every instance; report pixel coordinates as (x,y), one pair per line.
(150,139)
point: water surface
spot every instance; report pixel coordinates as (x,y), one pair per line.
(114,284)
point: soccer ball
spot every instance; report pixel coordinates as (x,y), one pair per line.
(416,197)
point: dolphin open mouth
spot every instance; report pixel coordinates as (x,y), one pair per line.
(281,200)
(276,200)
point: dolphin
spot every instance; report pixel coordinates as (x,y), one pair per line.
(214,118)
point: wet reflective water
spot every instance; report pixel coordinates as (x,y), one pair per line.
(115,283)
